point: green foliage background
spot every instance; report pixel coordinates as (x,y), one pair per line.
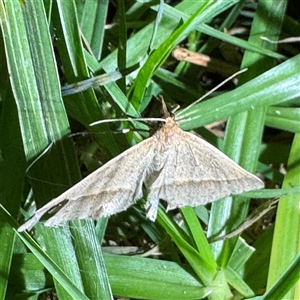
(45,44)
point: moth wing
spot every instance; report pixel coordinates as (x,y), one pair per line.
(196,173)
(110,189)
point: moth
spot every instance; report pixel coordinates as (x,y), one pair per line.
(173,165)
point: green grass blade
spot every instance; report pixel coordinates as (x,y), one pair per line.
(235,281)
(92,24)
(288,284)
(84,106)
(255,270)
(122,43)
(49,122)
(158,57)
(165,280)
(90,260)
(287,231)
(28,133)
(196,233)
(127,274)
(12,167)
(284,118)
(206,270)
(71,288)
(177,14)
(278,85)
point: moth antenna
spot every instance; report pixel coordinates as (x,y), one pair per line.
(212,90)
(128,120)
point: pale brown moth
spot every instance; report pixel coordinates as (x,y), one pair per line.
(174,165)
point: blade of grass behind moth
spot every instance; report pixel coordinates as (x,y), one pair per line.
(234,270)
(283,118)
(22,66)
(12,171)
(51,124)
(243,137)
(168,279)
(87,245)
(203,248)
(287,230)
(197,234)
(86,109)
(92,23)
(114,91)
(122,43)
(157,58)
(235,281)
(69,287)
(180,13)
(13,161)
(138,44)
(156,25)
(214,42)
(287,285)
(206,270)
(52,111)
(100,229)
(278,85)
(83,106)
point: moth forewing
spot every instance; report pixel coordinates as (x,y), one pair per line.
(112,188)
